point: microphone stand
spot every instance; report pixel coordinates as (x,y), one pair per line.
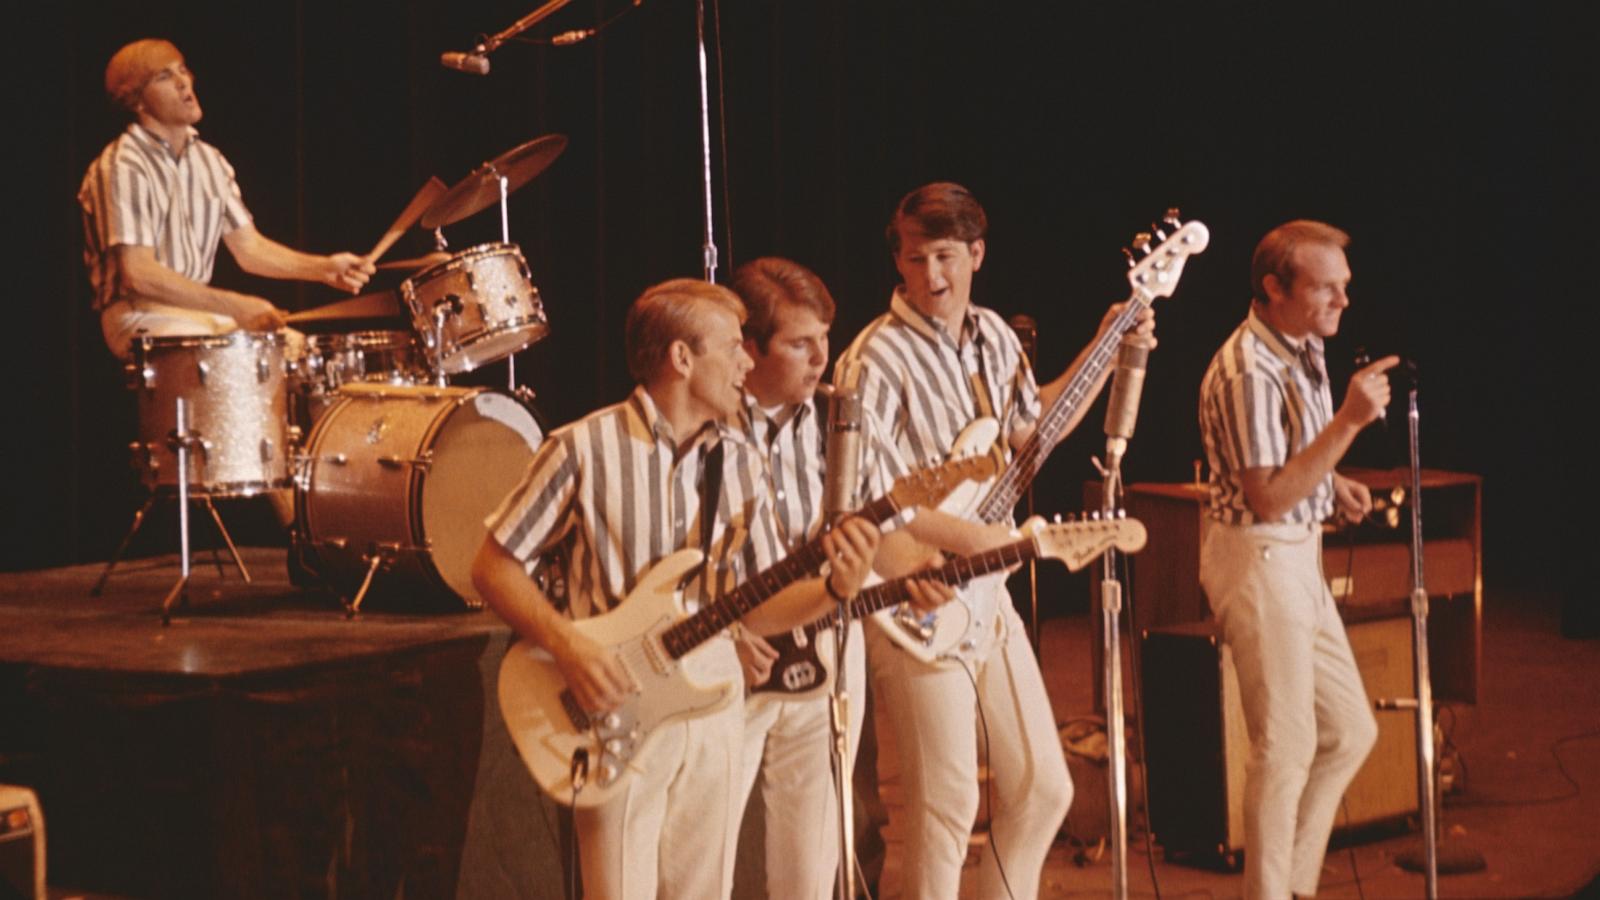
(709,249)
(1111,653)
(1427,861)
(839,749)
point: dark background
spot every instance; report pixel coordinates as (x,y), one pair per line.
(1445,138)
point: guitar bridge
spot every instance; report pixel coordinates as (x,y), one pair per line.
(919,627)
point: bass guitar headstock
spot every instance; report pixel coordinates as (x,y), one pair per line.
(1156,258)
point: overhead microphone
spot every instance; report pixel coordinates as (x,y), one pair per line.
(843,453)
(475,63)
(1122,410)
(574,36)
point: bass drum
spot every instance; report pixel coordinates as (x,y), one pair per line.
(407,475)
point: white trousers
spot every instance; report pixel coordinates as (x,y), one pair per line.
(124,320)
(1307,714)
(666,834)
(931,729)
(786,749)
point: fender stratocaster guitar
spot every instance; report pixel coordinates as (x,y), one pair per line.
(955,629)
(799,673)
(580,759)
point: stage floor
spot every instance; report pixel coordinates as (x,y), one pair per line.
(396,717)
(1530,788)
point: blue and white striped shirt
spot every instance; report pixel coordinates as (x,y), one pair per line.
(1263,399)
(139,193)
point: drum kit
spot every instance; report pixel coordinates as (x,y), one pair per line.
(392,469)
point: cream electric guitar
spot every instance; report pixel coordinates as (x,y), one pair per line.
(957,629)
(798,675)
(580,759)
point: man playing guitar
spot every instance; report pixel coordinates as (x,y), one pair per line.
(928,367)
(622,488)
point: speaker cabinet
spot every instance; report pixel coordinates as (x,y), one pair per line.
(21,844)
(1196,745)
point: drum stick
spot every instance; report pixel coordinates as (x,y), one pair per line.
(430,192)
(415,262)
(382,304)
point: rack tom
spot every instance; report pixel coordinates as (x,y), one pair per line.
(476,307)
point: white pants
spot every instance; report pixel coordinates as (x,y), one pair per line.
(929,736)
(666,834)
(124,320)
(786,746)
(1307,714)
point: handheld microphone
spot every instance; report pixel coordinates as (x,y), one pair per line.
(475,63)
(1122,410)
(843,453)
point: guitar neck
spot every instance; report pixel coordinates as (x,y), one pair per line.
(889,593)
(695,630)
(1008,488)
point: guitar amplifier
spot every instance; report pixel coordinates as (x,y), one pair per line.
(21,844)
(1196,745)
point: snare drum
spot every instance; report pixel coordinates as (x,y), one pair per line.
(488,305)
(408,474)
(235,404)
(332,360)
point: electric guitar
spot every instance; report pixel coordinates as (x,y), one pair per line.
(580,759)
(799,674)
(953,631)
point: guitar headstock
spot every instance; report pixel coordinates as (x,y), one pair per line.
(1156,259)
(928,487)
(1078,543)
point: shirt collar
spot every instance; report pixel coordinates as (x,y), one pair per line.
(653,423)
(150,138)
(1290,349)
(928,327)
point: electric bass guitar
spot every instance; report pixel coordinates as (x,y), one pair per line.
(581,759)
(799,673)
(954,630)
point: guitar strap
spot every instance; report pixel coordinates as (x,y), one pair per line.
(710,499)
(980,394)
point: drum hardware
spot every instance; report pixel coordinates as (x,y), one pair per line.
(380,556)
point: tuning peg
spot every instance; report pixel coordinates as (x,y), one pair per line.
(1094,515)
(1058,519)
(1172,218)
(1156,230)
(1141,243)
(1129,255)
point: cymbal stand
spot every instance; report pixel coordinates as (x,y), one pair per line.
(1111,655)
(505,238)
(443,309)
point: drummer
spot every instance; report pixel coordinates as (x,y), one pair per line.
(157,201)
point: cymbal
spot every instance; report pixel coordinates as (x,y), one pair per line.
(377,305)
(481,189)
(416,262)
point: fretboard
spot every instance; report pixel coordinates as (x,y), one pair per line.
(1030,457)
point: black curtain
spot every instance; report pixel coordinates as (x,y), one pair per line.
(1445,140)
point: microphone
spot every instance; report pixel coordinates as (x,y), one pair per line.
(1126,386)
(567,38)
(843,453)
(475,63)
(1028,334)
